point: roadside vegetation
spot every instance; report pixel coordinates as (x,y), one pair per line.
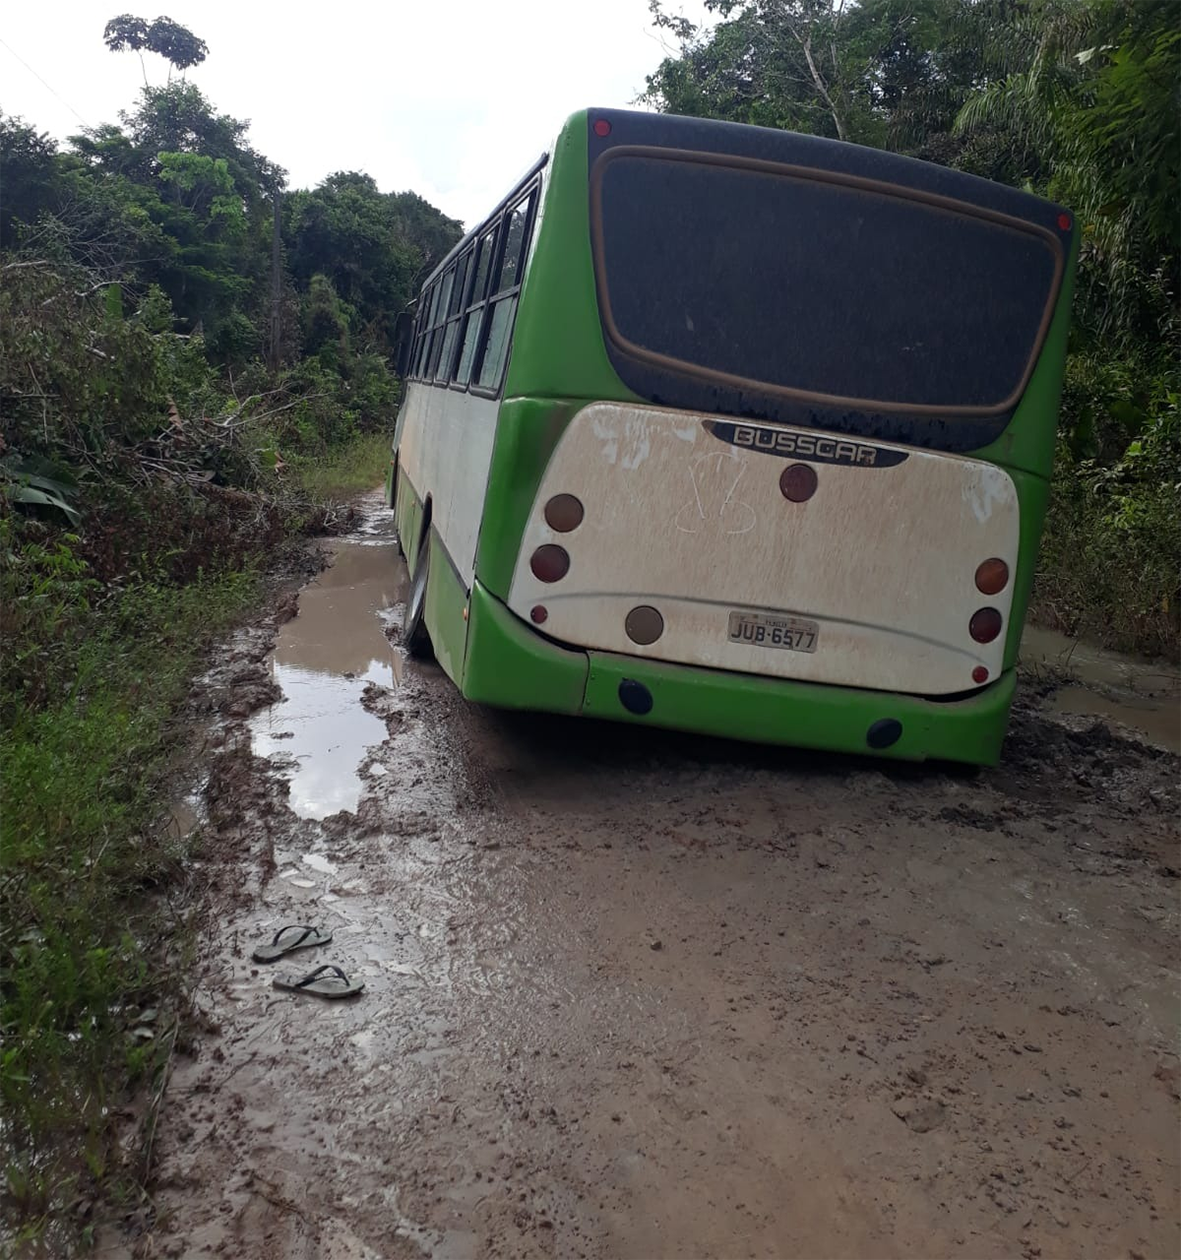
(181,401)
(1076,100)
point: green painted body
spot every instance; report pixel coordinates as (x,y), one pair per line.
(558,364)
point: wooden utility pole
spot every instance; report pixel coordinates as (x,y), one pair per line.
(276,281)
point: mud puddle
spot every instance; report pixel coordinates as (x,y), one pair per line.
(635,994)
(1140,694)
(322,662)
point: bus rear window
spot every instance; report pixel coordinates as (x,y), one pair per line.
(815,289)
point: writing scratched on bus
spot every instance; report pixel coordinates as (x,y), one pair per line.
(715,481)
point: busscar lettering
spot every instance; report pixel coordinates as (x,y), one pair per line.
(817,446)
(784,443)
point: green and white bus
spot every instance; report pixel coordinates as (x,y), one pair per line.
(737,431)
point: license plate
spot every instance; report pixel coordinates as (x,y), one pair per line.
(796,634)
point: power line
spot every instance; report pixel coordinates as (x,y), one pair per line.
(36,76)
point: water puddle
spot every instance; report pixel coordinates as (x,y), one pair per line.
(1141,694)
(323,660)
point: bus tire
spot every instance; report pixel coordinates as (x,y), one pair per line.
(415,635)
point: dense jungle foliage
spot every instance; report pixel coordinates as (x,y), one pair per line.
(1073,99)
(178,390)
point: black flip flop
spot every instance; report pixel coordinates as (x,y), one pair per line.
(288,939)
(334,985)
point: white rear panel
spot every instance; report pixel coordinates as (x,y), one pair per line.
(882,557)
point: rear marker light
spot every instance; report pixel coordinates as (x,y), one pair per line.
(602,127)
(798,482)
(549,563)
(644,624)
(883,733)
(980,674)
(985,625)
(563,513)
(1064,222)
(538,613)
(635,697)
(992,576)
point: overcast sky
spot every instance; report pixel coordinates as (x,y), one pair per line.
(450,98)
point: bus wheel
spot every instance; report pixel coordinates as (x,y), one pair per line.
(415,634)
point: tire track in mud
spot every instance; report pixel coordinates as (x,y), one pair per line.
(631,993)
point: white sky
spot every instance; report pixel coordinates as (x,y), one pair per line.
(451,98)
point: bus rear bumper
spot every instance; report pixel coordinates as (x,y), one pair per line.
(511,666)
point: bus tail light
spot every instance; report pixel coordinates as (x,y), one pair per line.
(980,674)
(992,576)
(550,563)
(644,624)
(797,482)
(985,625)
(563,513)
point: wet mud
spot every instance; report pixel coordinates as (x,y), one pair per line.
(632,993)
(1143,696)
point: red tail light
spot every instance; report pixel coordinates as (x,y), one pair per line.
(797,482)
(549,563)
(985,625)
(992,576)
(563,513)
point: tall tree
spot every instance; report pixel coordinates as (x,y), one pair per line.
(168,39)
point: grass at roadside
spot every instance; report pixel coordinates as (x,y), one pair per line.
(84,998)
(92,936)
(1108,572)
(346,471)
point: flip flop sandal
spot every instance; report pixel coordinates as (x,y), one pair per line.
(292,937)
(321,983)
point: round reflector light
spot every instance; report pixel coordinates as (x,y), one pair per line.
(980,674)
(549,563)
(992,576)
(538,613)
(985,625)
(602,127)
(644,624)
(1064,222)
(563,513)
(798,482)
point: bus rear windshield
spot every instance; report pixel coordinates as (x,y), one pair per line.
(839,292)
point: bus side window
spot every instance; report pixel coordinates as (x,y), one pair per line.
(428,305)
(419,336)
(424,334)
(438,315)
(504,305)
(454,312)
(473,318)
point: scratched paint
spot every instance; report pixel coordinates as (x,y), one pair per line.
(715,506)
(987,489)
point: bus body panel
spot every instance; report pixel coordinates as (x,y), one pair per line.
(685,513)
(510,666)
(444,451)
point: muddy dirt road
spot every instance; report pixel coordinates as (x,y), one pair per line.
(635,994)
